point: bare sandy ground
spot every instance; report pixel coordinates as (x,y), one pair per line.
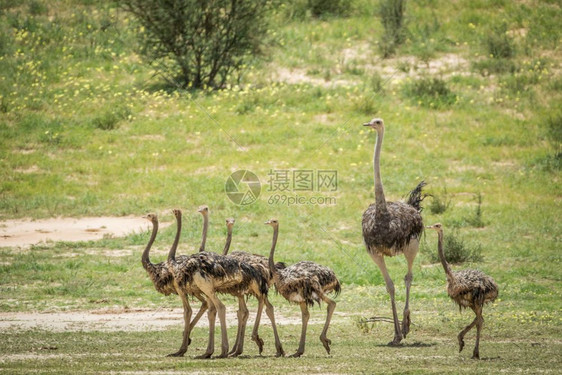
(133,320)
(25,232)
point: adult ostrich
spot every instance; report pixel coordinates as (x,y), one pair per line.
(304,283)
(468,288)
(392,228)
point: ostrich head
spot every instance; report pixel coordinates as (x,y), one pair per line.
(151,217)
(203,210)
(376,123)
(273,222)
(437,227)
(177,212)
(230,222)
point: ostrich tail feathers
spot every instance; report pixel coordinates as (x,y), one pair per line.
(415,197)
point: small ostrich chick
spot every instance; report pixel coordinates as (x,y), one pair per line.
(468,288)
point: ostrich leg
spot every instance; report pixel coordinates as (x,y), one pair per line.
(270,313)
(221,310)
(479,322)
(305,316)
(410,255)
(379,260)
(211,315)
(200,313)
(186,327)
(464,331)
(331,307)
(242,319)
(255,336)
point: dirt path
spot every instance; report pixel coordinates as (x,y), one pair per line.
(23,233)
(131,320)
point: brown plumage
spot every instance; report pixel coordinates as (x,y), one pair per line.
(208,274)
(468,288)
(304,283)
(260,264)
(392,228)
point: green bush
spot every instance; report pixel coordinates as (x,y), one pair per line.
(194,43)
(430,92)
(498,43)
(457,250)
(554,131)
(109,120)
(439,203)
(391,13)
(320,8)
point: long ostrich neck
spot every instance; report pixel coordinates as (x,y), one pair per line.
(228,240)
(272,268)
(204,235)
(145,259)
(446,266)
(379,192)
(172,253)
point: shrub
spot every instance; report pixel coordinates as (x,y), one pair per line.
(554,131)
(198,43)
(498,43)
(440,203)
(476,219)
(110,119)
(457,250)
(391,13)
(430,92)
(319,8)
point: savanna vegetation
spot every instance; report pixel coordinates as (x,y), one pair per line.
(470,96)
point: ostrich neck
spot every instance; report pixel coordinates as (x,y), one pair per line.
(204,235)
(379,192)
(145,257)
(272,268)
(446,266)
(228,240)
(172,253)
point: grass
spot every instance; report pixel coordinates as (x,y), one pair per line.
(87,129)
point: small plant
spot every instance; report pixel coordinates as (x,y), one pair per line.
(391,13)
(377,83)
(554,131)
(498,43)
(430,92)
(365,104)
(321,8)
(440,203)
(476,220)
(110,119)
(457,250)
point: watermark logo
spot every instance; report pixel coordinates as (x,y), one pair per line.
(243,187)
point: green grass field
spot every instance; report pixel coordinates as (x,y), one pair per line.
(87,129)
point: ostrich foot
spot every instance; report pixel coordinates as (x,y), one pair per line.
(234,353)
(222,355)
(296,355)
(280,353)
(326,342)
(406,323)
(179,353)
(259,343)
(461,343)
(476,355)
(204,356)
(396,341)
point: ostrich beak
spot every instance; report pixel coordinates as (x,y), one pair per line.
(268,222)
(367,124)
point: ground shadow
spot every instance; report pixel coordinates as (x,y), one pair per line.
(415,344)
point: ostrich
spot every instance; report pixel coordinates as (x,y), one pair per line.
(260,263)
(468,288)
(161,278)
(207,274)
(304,283)
(391,228)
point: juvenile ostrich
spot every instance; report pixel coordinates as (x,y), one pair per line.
(159,274)
(260,264)
(204,210)
(304,283)
(207,274)
(468,288)
(392,228)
